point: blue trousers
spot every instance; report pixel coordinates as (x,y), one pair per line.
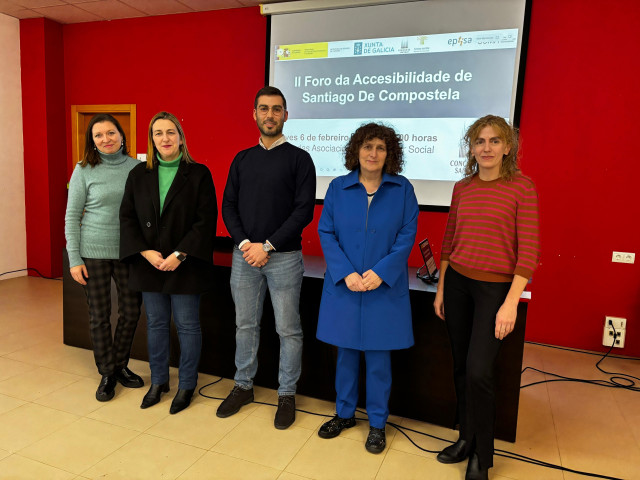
(378,376)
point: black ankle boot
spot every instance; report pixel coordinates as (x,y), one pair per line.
(181,401)
(454,453)
(474,472)
(153,395)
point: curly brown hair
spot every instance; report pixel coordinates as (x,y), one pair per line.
(395,158)
(509,135)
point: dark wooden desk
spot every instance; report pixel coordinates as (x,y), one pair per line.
(422,375)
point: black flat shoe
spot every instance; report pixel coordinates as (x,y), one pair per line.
(128,379)
(454,453)
(106,389)
(181,401)
(474,472)
(153,395)
(376,441)
(333,427)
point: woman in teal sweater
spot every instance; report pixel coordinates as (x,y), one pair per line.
(92,229)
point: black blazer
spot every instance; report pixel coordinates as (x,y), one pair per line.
(187,224)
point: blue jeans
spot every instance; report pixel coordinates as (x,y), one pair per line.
(283,275)
(186,316)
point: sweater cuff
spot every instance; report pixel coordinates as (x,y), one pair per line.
(75,259)
(523,272)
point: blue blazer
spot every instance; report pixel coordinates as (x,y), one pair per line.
(356,240)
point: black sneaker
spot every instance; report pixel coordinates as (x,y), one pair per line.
(106,389)
(128,379)
(234,402)
(376,441)
(286,414)
(333,427)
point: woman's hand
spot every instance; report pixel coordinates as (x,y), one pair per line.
(153,257)
(438,304)
(371,280)
(79,273)
(169,264)
(354,282)
(506,319)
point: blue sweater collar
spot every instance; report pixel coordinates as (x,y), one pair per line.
(351,179)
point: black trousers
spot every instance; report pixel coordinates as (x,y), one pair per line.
(111,353)
(470,308)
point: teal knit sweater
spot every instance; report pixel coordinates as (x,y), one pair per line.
(98,192)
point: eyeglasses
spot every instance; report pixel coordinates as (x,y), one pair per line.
(277,110)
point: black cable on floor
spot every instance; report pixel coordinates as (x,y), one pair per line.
(401,429)
(31,269)
(585,352)
(617,380)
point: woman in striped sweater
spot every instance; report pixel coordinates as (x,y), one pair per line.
(489,252)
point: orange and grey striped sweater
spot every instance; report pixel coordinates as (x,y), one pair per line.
(492,230)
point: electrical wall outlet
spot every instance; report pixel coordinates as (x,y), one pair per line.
(623,257)
(142,157)
(618,323)
(608,337)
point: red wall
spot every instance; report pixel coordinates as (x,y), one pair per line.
(579,127)
(578,124)
(205,68)
(44,139)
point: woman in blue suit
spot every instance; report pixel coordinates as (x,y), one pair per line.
(367,229)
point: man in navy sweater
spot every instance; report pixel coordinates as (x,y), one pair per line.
(268,200)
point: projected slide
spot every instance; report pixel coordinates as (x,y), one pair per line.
(428,87)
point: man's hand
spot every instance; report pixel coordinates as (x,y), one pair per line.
(79,273)
(254,255)
(371,280)
(354,282)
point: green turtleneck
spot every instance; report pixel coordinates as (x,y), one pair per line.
(92,224)
(166,173)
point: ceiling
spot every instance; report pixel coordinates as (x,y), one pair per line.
(77,11)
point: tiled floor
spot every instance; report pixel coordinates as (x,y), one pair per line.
(51,426)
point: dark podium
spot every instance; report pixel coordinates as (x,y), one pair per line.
(422,375)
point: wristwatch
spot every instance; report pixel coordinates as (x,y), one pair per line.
(267,247)
(180,256)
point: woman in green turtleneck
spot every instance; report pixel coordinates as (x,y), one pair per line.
(167,227)
(92,230)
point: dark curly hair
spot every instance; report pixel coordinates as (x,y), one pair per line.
(509,135)
(395,158)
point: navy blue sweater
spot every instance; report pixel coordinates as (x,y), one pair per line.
(270,195)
